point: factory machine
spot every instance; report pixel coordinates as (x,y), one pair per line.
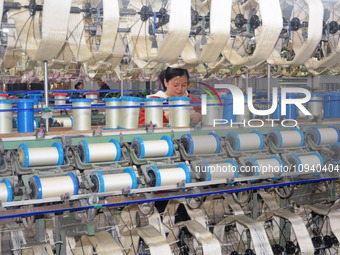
(80,175)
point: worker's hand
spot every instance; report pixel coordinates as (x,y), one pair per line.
(195,117)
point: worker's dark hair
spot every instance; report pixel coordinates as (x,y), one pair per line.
(77,85)
(175,72)
(170,73)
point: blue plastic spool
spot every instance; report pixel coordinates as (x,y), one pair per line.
(25,115)
(60,153)
(158,174)
(102,181)
(9,189)
(87,152)
(334,105)
(255,164)
(188,138)
(190,143)
(27,159)
(228,108)
(322,162)
(302,136)
(26,155)
(39,192)
(317,135)
(230,161)
(141,146)
(280,139)
(299,163)
(236,139)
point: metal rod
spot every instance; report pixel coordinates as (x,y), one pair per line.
(247,80)
(121,82)
(46,91)
(268,88)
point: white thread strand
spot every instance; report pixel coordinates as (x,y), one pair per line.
(6,125)
(154,115)
(56,186)
(81,117)
(204,144)
(129,117)
(156,148)
(112,115)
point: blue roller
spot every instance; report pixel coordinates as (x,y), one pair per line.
(37,193)
(261,138)
(188,138)
(186,170)
(235,138)
(60,153)
(233,163)
(157,175)
(133,177)
(141,146)
(86,151)
(119,151)
(170,144)
(281,165)
(9,189)
(26,154)
(254,162)
(297,160)
(75,183)
(337,131)
(302,136)
(218,146)
(322,162)
(315,134)
(100,180)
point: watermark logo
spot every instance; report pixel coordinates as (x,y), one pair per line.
(204,98)
(238,100)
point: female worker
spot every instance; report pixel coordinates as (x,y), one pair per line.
(175,81)
(78,86)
